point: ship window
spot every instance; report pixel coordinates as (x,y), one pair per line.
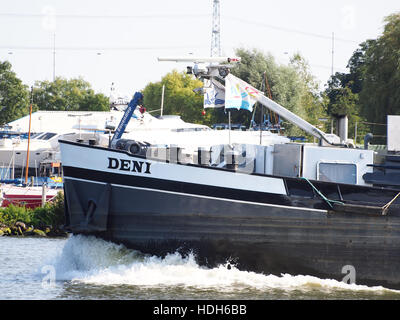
(35,135)
(338,172)
(47,136)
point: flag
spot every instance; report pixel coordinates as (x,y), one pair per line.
(238,94)
(214,94)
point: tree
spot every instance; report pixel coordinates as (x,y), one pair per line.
(291,86)
(311,101)
(342,93)
(343,102)
(68,95)
(380,94)
(371,89)
(179,97)
(14,96)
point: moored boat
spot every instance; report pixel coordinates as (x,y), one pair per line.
(28,196)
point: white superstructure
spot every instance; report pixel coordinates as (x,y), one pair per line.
(48,127)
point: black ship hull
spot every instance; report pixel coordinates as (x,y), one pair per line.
(291,231)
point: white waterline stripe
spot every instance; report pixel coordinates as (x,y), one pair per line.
(201,196)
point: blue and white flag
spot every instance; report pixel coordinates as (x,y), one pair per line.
(214,94)
(239,94)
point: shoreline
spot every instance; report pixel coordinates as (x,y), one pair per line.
(20,230)
(45,221)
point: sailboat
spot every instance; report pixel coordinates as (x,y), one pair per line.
(23,194)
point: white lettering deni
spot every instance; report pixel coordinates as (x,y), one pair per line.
(129,165)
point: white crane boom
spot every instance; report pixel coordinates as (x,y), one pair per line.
(283,112)
(195,59)
(222,71)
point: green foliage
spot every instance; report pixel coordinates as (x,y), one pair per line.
(371,90)
(56,209)
(343,102)
(312,103)
(39,233)
(179,97)
(11,214)
(51,214)
(14,96)
(68,95)
(380,95)
(292,86)
(58,95)
(343,91)
(43,216)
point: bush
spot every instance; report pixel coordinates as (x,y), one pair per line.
(51,214)
(11,214)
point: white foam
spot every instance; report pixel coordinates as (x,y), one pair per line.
(95,261)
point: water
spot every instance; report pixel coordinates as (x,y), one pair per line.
(89,268)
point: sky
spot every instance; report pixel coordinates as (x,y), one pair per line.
(118,41)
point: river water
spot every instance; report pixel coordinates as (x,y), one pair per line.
(89,268)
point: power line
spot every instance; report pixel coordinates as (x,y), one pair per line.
(94,48)
(305,33)
(172,16)
(86,16)
(102,49)
(327,67)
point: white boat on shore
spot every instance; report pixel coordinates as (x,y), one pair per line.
(96,127)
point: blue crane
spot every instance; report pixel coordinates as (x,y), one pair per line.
(136,100)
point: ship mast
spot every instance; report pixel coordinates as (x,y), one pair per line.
(29,138)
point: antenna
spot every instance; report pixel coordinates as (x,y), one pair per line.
(333,51)
(54,57)
(112,91)
(217,67)
(216,28)
(195,59)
